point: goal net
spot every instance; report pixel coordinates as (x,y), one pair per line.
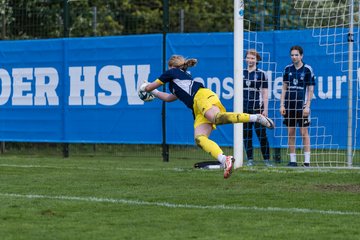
(336,26)
(330,23)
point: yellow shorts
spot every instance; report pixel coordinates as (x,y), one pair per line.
(203,101)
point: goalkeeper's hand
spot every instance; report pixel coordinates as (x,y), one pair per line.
(143,86)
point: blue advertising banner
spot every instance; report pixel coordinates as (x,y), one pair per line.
(79,90)
(84,90)
(215,68)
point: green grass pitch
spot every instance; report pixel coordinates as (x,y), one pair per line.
(145,198)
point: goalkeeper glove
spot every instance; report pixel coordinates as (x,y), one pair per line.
(143,86)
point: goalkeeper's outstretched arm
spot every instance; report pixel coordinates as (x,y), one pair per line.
(152,87)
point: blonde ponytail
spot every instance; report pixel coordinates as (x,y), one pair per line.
(179,61)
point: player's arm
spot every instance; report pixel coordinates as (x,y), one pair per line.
(152,87)
(265,94)
(310,93)
(282,98)
(310,89)
(166,97)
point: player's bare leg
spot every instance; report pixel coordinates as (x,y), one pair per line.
(291,143)
(306,142)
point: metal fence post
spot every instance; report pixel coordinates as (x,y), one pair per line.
(66,35)
(165,146)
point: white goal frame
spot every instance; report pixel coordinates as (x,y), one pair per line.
(238,79)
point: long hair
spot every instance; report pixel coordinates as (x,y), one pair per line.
(179,61)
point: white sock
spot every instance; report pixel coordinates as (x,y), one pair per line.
(307,157)
(253,118)
(221,158)
(292,157)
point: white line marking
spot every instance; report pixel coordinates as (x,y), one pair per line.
(174,205)
(286,170)
(94,169)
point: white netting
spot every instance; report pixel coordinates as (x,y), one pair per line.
(331,22)
(324,152)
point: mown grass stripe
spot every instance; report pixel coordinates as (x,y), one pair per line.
(91,168)
(286,170)
(173,205)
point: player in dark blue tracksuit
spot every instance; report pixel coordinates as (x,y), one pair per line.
(296,96)
(255,101)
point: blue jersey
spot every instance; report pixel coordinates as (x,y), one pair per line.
(182,85)
(297,81)
(253,83)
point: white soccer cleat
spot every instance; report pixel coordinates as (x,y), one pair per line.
(229,162)
(265,121)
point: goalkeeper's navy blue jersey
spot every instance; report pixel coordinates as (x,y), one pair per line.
(253,83)
(182,85)
(297,81)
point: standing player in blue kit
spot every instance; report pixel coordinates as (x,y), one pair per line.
(295,102)
(255,100)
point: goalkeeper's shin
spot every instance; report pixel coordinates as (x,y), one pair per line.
(208,146)
(230,117)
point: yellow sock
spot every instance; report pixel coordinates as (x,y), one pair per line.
(208,146)
(230,117)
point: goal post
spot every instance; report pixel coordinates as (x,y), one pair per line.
(350,83)
(238,79)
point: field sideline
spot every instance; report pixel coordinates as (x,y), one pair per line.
(134,198)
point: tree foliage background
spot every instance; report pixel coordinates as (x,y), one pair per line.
(32,19)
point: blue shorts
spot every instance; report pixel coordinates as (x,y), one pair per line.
(295,117)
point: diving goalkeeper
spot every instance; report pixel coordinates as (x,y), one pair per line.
(205,105)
